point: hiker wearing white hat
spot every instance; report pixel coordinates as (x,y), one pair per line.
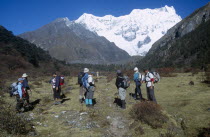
(137,77)
(26,87)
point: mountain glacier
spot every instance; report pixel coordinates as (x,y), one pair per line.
(135,33)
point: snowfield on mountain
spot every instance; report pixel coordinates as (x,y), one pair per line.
(135,33)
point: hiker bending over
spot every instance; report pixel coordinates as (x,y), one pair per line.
(137,77)
(149,79)
(26,87)
(56,88)
(19,96)
(81,87)
(88,84)
(121,89)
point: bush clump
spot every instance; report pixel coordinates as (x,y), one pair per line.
(13,123)
(149,113)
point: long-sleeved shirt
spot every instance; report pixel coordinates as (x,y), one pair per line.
(85,80)
(137,76)
(55,82)
(25,83)
(149,78)
(119,82)
(20,91)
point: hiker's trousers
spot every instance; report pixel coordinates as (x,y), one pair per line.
(19,104)
(122,93)
(81,92)
(151,94)
(90,92)
(56,93)
(138,90)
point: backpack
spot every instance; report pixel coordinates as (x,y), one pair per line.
(13,89)
(80,75)
(126,82)
(156,77)
(61,80)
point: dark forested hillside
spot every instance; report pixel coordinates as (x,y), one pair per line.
(11,45)
(186,45)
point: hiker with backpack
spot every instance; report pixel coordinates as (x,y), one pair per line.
(81,87)
(122,83)
(19,95)
(88,84)
(55,82)
(137,77)
(26,87)
(150,80)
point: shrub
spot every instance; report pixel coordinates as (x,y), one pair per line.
(149,113)
(205,132)
(207,74)
(12,123)
(167,72)
(110,77)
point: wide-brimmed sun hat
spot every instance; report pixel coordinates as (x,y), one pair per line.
(24,75)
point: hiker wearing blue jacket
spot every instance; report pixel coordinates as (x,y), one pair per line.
(19,96)
(137,77)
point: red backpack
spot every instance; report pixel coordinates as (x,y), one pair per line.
(61,80)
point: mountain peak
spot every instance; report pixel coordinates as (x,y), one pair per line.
(65,19)
(131,32)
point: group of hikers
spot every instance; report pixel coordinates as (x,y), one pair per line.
(87,87)
(149,78)
(21,90)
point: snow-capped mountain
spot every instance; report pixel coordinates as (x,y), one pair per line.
(135,33)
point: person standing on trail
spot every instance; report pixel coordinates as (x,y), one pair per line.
(120,86)
(81,87)
(149,79)
(26,86)
(55,81)
(137,77)
(19,96)
(86,85)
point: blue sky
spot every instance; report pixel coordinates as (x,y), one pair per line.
(26,15)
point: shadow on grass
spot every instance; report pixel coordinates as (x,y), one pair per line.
(31,106)
(64,100)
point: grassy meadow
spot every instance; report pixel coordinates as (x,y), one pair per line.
(186,107)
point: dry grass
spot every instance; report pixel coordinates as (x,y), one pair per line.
(180,101)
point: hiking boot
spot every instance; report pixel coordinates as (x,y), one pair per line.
(123,104)
(81,101)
